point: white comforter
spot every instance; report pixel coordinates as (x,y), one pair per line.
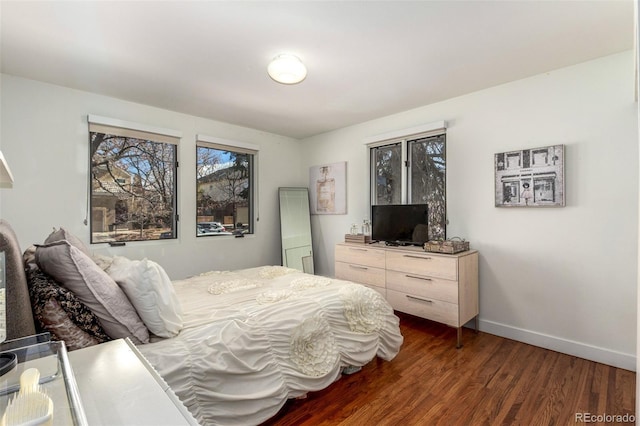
(257,337)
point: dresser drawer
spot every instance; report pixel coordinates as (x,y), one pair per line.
(425,264)
(360,274)
(360,255)
(432,309)
(419,285)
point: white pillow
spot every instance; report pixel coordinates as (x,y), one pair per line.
(102,261)
(151,292)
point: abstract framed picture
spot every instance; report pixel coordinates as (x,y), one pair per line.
(532,177)
(328,188)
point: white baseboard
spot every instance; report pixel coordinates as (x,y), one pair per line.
(582,350)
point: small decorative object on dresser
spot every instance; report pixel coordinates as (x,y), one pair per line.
(357,238)
(450,246)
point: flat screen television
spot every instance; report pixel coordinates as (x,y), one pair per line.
(399,224)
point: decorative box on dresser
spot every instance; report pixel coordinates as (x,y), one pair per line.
(435,286)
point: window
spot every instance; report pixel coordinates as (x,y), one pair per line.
(133,181)
(427,180)
(225,187)
(388,176)
(412,170)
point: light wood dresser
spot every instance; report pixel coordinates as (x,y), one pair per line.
(438,287)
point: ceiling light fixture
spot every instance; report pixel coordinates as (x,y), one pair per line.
(287,69)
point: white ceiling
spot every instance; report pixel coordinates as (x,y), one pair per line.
(365,59)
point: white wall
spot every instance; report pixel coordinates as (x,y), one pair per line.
(562,278)
(44,138)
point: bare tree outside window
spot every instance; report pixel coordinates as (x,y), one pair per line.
(388,181)
(133,189)
(427,171)
(224,192)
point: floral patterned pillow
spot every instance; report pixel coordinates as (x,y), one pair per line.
(59,312)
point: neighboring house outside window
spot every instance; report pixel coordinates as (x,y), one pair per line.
(133,182)
(225,173)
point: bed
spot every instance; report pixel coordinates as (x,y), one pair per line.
(234,346)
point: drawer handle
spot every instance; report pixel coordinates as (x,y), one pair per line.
(418,278)
(418,298)
(358,267)
(357,249)
(413,256)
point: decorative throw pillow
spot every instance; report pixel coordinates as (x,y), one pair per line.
(56,321)
(29,257)
(58,311)
(79,274)
(151,292)
(63,234)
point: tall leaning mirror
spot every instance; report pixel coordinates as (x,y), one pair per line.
(295,229)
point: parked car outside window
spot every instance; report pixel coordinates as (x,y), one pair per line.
(211,228)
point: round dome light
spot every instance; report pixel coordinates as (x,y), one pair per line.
(287,69)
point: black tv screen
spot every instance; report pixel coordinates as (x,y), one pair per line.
(397,223)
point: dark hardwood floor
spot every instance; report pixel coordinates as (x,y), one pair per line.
(489,381)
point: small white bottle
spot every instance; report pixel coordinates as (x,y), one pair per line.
(366,227)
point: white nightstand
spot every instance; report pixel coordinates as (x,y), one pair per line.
(119,387)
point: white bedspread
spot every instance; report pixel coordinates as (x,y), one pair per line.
(257,337)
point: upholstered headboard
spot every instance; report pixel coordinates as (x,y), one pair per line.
(19,315)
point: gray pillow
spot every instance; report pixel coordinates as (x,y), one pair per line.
(79,274)
(63,234)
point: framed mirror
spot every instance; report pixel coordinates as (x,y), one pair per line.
(295,229)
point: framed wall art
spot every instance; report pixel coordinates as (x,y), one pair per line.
(328,188)
(530,177)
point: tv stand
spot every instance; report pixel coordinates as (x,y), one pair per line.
(436,286)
